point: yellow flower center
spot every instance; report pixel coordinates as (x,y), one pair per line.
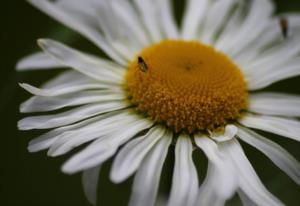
(187,85)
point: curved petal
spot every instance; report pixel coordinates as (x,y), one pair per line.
(69,82)
(89,180)
(46,140)
(42,104)
(220,183)
(66,90)
(107,125)
(275,104)
(282,126)
(38,61)
(248,180)
(131,156)
(229,132)
(146,180)
(185,178)
(95,68)
(83,21)
(69,117)
(284,160)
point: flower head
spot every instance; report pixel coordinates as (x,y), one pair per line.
(196,85)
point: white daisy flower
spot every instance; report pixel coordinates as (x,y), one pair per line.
(196,85)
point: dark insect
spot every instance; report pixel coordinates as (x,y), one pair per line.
(142,64)
(284,24)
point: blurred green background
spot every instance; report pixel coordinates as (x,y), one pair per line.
(35,179)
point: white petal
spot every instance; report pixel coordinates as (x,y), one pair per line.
(245,200)
(90,180)
(234,23)
(125,12)
(42,104)
(102,149)
(148,11)
(282,126)
(69,117)
(193,17)
(214,20)
(167,19)
(131,156)
(146,180)
(275,104)
(83,21)
(69,82)
(95,68)
(112,17)
(38,61)
(220,183)
(249,182)
(275,152)
(275,56)
(108,124)
(262,80)
(228,134)
(185,184)
(46,140)
(259,11)
(66,90)
(207,194)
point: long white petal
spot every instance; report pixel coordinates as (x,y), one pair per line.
(148,11)
(46,140)
(248,180)
(69,82)
(284,160)
(184,188)
(95,68)
(69,117)
(42,104)
(129,15)
(90,179)
(220,183)
(107,125)
(66,90)
(131,156)
(168,20)
(275,104)
(38,61)
(259,11)
(214,20)
(193,17)
(102,149)
(282,126)
(207,194)
(82,22)
(146,180)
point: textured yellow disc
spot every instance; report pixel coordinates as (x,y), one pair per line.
(187,85)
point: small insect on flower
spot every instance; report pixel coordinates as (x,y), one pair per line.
(202,84)
(142,64)
(284,24)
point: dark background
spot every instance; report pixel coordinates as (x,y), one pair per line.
(35,179)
